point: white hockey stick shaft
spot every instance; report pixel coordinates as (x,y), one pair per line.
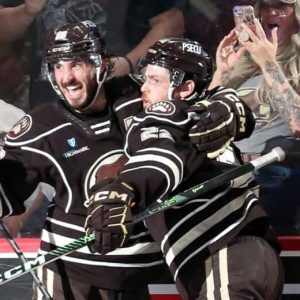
(277,154)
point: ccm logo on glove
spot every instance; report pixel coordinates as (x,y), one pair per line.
(103,195)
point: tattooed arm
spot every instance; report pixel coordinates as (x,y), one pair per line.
(283,97)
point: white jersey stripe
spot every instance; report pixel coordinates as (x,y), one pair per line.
(162,160)
(210,285)
(224,276)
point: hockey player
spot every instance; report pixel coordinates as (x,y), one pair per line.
(70,145)
(218,247)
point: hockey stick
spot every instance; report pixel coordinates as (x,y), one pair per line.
(22,257)
(276,154)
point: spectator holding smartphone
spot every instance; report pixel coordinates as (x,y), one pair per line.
(266,69)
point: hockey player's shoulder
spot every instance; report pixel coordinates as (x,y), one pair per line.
(20,128)
(123,94)
(122,86)
(36,122)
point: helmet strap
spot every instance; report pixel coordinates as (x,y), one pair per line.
(54,85)
(99,82)
(100,79)
(171,95)
(171,89)
(192,96)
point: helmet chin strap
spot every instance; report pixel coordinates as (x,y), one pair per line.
(55,87)
(171,89)
(192,96)
(99,82)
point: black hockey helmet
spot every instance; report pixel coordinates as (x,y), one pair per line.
(72,41)
(184,58)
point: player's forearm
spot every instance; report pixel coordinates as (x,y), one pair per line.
(282,95)
(13,22)
(141,49)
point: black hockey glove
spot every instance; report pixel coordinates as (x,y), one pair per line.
(109,216)
(218,122)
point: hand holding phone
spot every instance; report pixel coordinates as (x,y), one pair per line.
(243,14)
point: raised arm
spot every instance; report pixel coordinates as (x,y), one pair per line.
(227,56)
(15,20)
(283,96)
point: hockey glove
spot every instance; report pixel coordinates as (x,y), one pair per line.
(218,123)
(110,217)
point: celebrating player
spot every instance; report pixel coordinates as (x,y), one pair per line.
(219,246)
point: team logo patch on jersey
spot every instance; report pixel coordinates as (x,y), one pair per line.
(107,166)
(72,142)
(20,128)
(128,122)
(165,108)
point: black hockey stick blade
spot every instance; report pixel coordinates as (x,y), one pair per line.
(277,154)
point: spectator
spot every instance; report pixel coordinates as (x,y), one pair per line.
(267,72)
(207,21)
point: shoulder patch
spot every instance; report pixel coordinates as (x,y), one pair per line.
(20,128)
(127,122)
(162,108)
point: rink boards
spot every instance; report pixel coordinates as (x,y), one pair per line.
(21,287)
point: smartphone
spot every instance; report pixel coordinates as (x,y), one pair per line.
(243,14)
